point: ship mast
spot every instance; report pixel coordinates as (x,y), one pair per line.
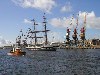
(18,39)
(45,29)
(34,31)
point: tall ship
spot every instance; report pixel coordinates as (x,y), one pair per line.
(32,34)
(45,46)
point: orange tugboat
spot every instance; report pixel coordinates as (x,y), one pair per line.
(16,52)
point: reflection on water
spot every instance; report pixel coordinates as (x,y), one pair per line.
(60,62)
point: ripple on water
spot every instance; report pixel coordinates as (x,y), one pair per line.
(61,62)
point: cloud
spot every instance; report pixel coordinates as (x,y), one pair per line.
(91,21)
(66,8)
(31,22)
(62,22)
(27,21)
(44,5)
(4,42)
(55,36)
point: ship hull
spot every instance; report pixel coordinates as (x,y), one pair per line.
(41,48)
(16,54)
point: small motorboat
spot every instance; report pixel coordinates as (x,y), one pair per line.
(17,52)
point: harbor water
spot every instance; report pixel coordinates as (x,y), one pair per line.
(60,62)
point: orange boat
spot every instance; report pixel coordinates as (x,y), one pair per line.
(16,52)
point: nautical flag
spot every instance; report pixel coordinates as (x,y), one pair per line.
(77,21)
(27,35)
(21,30)
(22,34)
(32,20)
(19,37)
(71,20)
(44,16)
(82,30)
(70,23)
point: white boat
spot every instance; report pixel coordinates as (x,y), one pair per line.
(42,48)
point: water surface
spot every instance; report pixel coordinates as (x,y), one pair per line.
(60,62)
